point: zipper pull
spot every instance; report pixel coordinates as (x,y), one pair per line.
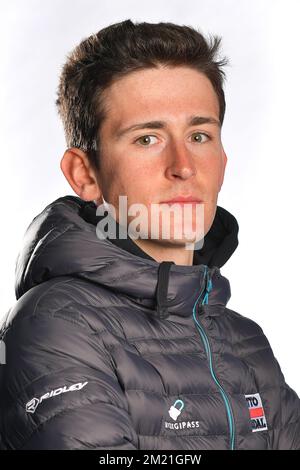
(208,284)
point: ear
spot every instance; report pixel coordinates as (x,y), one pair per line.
(224,163)
(80,175)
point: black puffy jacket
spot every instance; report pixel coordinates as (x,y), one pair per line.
(108,349)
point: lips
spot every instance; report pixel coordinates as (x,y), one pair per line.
(182,200)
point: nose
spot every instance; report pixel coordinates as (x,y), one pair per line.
(180,163)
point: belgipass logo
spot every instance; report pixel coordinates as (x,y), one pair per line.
(257,414)
(32,405)
(175,411)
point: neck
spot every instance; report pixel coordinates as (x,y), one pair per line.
(166,252)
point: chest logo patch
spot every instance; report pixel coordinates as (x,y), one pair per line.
(256,411)
(175,411)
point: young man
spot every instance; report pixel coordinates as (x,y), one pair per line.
(122,342)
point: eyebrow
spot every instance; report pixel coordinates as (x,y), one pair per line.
(192,121)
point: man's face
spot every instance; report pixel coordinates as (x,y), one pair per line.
(152,165)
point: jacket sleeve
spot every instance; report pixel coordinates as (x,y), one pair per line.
(59,389)
(286,434)
(287,437)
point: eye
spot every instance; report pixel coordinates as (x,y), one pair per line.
(145,139)
(201,134)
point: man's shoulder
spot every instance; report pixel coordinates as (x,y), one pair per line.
(250,343)
(65,297)
(247,335)
(243,323)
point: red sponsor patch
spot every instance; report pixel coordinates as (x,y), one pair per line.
(256,411)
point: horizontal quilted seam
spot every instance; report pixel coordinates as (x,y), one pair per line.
(171,436)
(169,396)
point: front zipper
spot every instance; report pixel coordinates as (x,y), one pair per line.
(206,289)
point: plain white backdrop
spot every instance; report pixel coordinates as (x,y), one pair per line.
(260,136)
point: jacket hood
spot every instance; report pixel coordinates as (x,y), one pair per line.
(62,241)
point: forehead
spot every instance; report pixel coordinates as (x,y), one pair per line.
(168,93)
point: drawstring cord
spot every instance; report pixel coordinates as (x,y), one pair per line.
(162,289)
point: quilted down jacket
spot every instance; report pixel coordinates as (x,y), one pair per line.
(108,349)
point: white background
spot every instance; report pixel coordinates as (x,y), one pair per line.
(260,136)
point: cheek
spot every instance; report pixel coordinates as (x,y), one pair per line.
(213,170)
(134,181)
(138,174)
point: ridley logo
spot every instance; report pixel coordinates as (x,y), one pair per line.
(32,405)
(257,414)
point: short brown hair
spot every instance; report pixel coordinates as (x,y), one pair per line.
(114,52)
